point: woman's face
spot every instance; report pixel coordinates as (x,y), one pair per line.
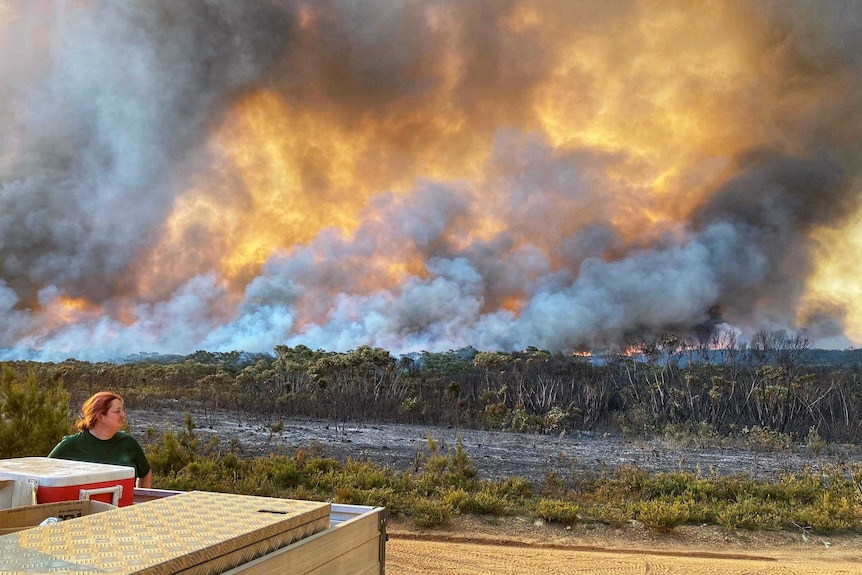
(115,418)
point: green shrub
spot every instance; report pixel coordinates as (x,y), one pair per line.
(829,514)
(750,513)
(303,492)
(177,450)
(348,495)
(669,484)
(693,435)
(511,488)
(451,470)
(557,511)
(799,488)
(430,513)
(285,473)
(384,497)
(663,516)
(814,442)
(732,487)
(856,481)
(828,500)
(456,499)
(615,516)
(33,418)
(701,513)
(321,465)
(365,475)
(409,405)
(520,420)
(555,420)
(629,480)
(478,503)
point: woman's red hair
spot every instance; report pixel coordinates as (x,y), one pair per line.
(97,405)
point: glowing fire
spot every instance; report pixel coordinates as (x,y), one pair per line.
(834,279)
(569,168)
(66,310)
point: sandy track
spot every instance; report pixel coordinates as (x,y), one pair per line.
(521,546)
(408,556)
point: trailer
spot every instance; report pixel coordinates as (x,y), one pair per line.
(354,544)
(203,533)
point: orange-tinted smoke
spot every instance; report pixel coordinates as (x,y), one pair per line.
(549,119)
(673,92)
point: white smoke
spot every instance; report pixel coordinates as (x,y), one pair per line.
(106,108)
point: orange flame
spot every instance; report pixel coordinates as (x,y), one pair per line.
(835,277)
(661,98)
(66,310)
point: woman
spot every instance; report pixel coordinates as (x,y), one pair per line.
(101,439)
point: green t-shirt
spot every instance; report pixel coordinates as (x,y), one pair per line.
(122,449)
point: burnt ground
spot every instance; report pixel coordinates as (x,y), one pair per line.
(476,545)
(495,454)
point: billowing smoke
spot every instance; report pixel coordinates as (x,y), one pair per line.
(425,175)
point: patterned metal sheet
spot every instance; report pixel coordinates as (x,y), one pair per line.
(194,533)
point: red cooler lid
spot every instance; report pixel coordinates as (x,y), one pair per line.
(62,472)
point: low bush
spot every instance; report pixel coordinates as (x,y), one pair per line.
(515,488)
(483,502)
(663,516)
(443,485)
(750,513)
(613,515)
(557,511)
(829,514)
(429,513)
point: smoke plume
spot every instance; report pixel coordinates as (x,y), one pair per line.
(425,175)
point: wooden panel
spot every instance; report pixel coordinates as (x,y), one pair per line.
(362,532)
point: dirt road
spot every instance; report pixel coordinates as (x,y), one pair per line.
(519,547)
(413,557)
(417,557)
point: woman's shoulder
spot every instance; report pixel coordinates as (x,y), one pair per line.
(73,436)
(124,436)
(69,444)
(125,441)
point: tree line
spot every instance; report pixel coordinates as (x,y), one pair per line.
(720,388)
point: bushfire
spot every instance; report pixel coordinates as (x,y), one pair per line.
(425,175)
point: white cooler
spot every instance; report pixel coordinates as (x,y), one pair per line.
(64,480)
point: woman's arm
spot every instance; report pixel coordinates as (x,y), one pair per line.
(146,481)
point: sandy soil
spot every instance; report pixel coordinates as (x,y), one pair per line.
(516,546)
(410,557)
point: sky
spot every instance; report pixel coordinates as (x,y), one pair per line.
(425,175)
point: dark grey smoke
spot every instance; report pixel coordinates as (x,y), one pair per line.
(106,108)
(774,204)
(104,126)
